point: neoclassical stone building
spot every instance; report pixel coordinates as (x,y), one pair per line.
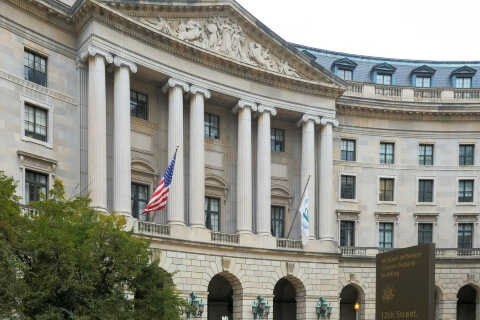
(100,93)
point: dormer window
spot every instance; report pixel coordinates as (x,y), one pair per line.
(383,74)
(422,77)
(463,77)
(344,68)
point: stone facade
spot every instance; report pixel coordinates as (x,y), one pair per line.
(213,57)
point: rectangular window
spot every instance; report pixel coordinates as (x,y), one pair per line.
(386,189)
(277,138)
(35,183)
(278,221)
(465,154)
(465,232)
(425,190)
(138,105)
(423,82)
(425,233)
(425,155)
(463,82)
(465,191)
(345,74)
(348,150)
(34,68)
(140,197)
(35,122)
(212,126)
(347,233)
(386,152)
(384,79)
(347,187)
(212,214)
(385,235)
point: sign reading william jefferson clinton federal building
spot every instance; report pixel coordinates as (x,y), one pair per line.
(405,283)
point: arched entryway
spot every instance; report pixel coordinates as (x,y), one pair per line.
(288,299)
(466,303)
(284,302)
(348,297)
(220,298)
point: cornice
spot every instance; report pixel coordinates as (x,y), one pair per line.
(395,133)
(38,88)
(447,113)
(414,167)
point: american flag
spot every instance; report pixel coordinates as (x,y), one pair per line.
(159,198)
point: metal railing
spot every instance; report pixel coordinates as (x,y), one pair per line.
(289,244)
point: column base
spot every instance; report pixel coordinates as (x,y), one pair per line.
(327,238)
(244,232)
(176,223)
(198,226)
(264,234)
(99,208)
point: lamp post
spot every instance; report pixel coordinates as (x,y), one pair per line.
(356,307)
(260,308)
(323,309)
(196,306)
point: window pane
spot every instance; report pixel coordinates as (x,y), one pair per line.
(138,105)
(140,197)
(211,125)
(278,221)
(35,183)
(212,214)
(347,233)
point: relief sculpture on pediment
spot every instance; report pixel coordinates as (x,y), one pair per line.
(221,35)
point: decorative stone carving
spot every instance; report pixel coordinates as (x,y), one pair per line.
(225,264)
(221,35)
(290,267)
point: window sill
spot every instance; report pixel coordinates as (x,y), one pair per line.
(466,203)
(348,200)
(430,204)
(36,141)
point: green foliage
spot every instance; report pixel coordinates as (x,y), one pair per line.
(65,261)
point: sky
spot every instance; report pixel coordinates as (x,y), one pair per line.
(445,30)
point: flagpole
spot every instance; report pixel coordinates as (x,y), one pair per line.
(296,212)
(155,212)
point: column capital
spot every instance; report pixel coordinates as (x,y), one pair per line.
(172,82)
(244,104)
(92,51)
(308,117)
(196,89)
(326,120)
(119,62)
(264,108)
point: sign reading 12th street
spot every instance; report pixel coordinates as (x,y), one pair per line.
(405,283)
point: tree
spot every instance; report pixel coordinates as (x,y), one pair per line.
(62,260)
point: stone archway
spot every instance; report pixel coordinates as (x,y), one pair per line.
(466,308)
(220,298)
(348,297)
(288,299)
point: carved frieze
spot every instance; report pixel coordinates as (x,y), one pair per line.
(223,36)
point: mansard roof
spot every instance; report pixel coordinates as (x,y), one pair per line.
(443,69)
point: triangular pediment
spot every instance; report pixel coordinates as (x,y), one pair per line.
(384,67)
(345,63)
(223,33)
(424,70)
(464,71)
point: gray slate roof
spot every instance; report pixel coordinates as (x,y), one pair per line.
(402,75)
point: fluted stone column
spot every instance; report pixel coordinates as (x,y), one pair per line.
(327,216)
(308,165)
(176,197)
(121,136)
(244,165)
(97,123)
(264,179)
(197,157)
